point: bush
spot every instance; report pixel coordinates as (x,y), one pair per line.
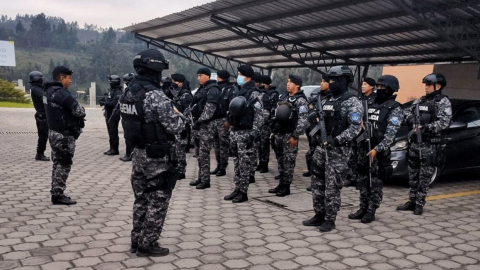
(8,92)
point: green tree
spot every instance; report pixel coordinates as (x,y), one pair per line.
(40,34)
(19,29)
(8,92)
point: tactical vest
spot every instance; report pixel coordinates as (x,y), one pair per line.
(245,120)
(291,125)
(136,129)
(178,100)
(334,122)
(267,104)
(227,91)
(428,108)
(37,101)
(378,116)
(58,118)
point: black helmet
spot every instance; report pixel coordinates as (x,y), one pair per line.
(338,71)
(283,113)
(114,79)
(128,77)
(435,78)
(150,59)
(35,76)
(389,81)
(237,106)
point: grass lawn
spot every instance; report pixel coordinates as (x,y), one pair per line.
(7,104)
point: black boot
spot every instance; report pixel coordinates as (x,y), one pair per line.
(125,158)
(181,176)
(214,171)
(316,220)
(133,248)
(112,152)
(195,182)
(41,157)
(62,200)
(369,217)
(275,189)
(259,166)
(155,251)
(241,197)
(284,191)
(203,185)
(359,214)
(264,168)
(232,195)
(309,189)
(327,226)
(252,179)
(277,177)
(307,174)
(408,206)
(221,173)
(418,210)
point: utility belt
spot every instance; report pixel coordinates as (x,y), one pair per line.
(428,138)
(70,132)
(167,180)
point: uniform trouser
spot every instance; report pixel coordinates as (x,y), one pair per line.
(264,147)
(353,164)
(42,128)
(150,206)
(371,191)
(420,170)
(309,158)
(181,144)
(256,145)
(327,179)
(129,146)
(112,128)
(286,157)
(206,143)
(242,158)
(221,143)
(63,149)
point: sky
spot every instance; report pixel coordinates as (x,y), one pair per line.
(104,13)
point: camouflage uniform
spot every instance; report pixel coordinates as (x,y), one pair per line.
(263,141)
(65,128)
(371,194)
(328,175)
(149,174)
(242,156)
(206,126)
(181,141)
(286,156)
(423,156)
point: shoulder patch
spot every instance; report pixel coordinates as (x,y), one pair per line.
(302,109)
(355,117)
(257,105)
(395,120)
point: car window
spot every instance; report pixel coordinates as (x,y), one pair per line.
(471,116)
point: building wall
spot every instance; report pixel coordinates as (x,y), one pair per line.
(462,80)
(410,79)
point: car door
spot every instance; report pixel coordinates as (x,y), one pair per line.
(463,144)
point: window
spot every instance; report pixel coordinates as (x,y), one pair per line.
(471,116)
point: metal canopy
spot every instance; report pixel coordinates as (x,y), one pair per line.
(318,34)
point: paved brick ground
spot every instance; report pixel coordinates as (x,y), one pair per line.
(204,232)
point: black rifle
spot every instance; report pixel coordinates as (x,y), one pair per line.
(367,136)
(321,125)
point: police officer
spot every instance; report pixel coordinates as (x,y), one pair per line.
(263,141)
(127,78)
(36,92)
(182,101)
(324,92)
(290,122)
(384,117)
(150,121)
(343,114)
(367,95)
(435,114)
(65,118)
(273,96)
(207,112)
(245,119)
(112,116)
(222,131)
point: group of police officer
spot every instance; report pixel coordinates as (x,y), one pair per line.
(159,115)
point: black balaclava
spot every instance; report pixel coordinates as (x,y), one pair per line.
(339,86)
(383,95)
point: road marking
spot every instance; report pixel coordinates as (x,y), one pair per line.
(453,195)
